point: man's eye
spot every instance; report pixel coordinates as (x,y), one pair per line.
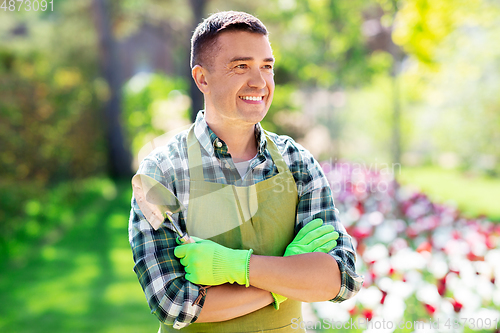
(241,66)
(268,67)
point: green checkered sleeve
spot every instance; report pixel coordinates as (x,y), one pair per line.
(161,275)
(316,201)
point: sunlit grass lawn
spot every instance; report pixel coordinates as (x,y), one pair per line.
(474,195)
(82,282)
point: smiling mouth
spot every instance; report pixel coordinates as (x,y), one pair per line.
(252,98)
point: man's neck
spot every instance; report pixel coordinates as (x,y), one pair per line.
(239,138)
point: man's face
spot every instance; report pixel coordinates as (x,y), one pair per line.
(240,80)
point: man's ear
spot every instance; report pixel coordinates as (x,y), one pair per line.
(199,76)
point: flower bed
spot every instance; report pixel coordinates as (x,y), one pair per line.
(426,267)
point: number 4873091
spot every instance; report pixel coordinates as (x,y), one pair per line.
(474,323)
(27,5)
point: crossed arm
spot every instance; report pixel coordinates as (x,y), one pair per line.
(308,277)
(305,273)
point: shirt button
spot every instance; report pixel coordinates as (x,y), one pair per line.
(227,165)
(218,144)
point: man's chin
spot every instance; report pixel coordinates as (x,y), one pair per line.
(254,119)
(255,116)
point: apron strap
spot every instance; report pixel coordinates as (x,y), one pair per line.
(275,154)
(194,157)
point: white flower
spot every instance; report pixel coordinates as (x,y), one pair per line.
(403,289)
(370,297)
(441,236)
(496,297)
(428,294)
(376,252)
(394,307)
(406,260)
(382,267)
(484,288)
(332,311)
(457,246)
(470,300)
(438,266)
(375,218)
(386,232)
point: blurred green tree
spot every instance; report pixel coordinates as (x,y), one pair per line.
(454,73)
(50,97)
(119,159)
(51,124)
(325,48)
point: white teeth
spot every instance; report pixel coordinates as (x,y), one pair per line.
(251,98)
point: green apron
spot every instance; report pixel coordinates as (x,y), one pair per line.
(259,217)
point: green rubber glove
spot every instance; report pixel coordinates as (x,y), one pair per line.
(313,237)
(209,263)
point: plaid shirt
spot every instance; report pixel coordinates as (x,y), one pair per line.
(160,273)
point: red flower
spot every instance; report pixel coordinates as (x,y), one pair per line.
(361,232)
(412,231)
(353,311)
(384,294)
(457,306)
(368,314)
(441,286)
(430,309)
(472,257)
(425,246)
(360,208)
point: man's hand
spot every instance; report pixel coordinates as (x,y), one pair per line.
(209,263)
(313,237)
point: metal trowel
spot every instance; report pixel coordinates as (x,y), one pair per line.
(158,204)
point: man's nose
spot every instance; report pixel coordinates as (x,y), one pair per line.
(256,79)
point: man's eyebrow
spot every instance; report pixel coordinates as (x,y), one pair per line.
(236,59)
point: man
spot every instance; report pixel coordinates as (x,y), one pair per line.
(255,200)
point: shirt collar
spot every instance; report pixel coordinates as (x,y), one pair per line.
(209,140)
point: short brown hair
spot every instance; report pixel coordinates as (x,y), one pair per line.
(205,34)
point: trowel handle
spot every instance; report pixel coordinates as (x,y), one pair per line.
(185,239)
(182,237)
